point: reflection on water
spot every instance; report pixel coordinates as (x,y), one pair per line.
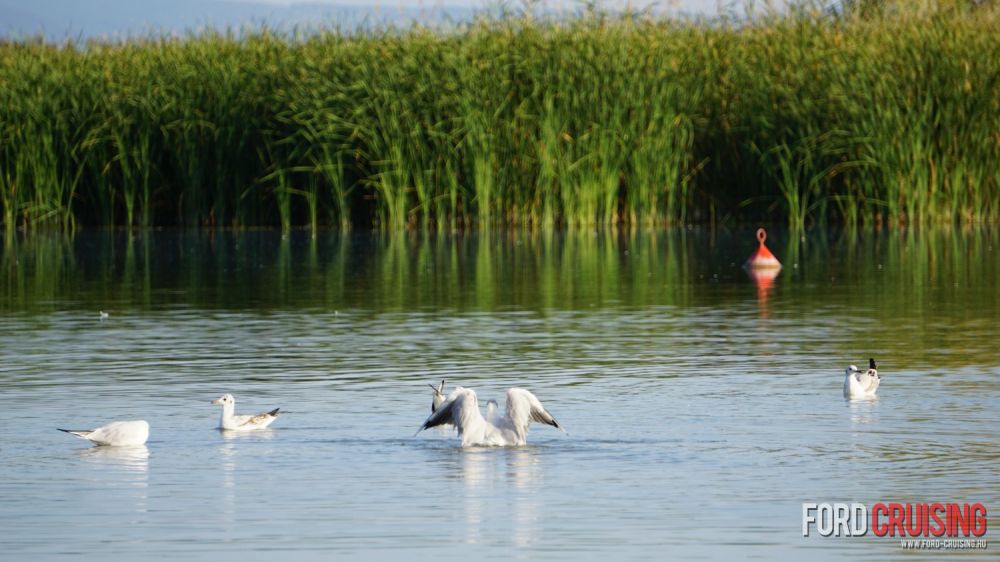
(864,412)
(898,274)
(255,435)
(703,406)
(484,470)
(134,458)
(227,457)
(524,471)
(764,279)
(119,481)
(475,464)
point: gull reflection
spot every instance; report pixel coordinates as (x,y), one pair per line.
(863,412)
(494,477)
(256,435)
(476,463)
(524,472)
(227,456)
(132,474)
(133,459)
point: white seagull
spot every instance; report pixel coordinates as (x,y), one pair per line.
(858,385)
(461,409)
(231,421)
(438,395)
(115,434)
(437,400)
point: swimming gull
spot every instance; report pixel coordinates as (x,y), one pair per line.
(858,385)
(461,409)
(115,434)
(231,421)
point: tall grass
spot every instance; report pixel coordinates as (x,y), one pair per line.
(805,118)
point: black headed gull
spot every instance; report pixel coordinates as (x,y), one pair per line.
(231,421)
(858,385)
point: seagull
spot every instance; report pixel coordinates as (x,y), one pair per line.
(115,434)
(104,315)
(861,385)
(493,412)
(461,409)
(438,395)
(242,423)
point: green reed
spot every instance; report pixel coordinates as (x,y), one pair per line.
(804,118)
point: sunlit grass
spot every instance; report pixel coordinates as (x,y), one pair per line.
(804,119)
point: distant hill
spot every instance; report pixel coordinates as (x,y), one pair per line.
(57,20)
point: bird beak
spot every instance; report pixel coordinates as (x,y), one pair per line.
(217,401)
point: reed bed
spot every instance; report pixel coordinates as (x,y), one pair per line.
(802,118)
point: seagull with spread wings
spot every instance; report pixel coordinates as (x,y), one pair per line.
(461,409)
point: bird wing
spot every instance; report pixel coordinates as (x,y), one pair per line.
(133,432)
(856,385)
(457,410)
(260,418)
(860,384)
(122,432)
(82,433)
(523,407)
(871,381)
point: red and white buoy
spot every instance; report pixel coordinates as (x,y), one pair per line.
(762,258)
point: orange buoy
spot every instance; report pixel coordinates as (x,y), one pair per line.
(762,258)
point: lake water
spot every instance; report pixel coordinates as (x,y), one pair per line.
(702,408)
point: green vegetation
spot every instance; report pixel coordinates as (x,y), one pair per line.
(813,118)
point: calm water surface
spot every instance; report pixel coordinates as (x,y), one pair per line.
(702,408)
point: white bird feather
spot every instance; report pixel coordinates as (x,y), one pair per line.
(461,409)
(115,434)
